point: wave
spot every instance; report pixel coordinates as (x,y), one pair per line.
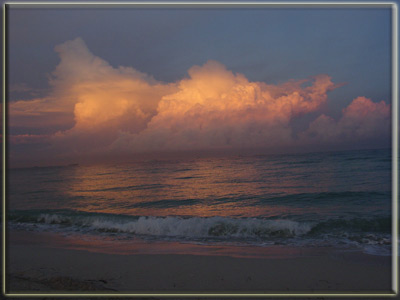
(166,203)
(323,198)
(195,227)
(377,224)
(328,198)
(203,227)
(130,188)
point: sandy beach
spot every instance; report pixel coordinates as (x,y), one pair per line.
(48,267)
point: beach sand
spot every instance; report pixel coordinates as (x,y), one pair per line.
(35,266)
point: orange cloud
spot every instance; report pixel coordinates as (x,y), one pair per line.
(97,108)
(102,93)
(361,120)
(216,109)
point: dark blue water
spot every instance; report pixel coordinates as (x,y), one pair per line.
(340,199)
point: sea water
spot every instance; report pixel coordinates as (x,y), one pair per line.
(332,199)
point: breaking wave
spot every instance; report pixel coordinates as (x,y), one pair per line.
(201,227)
(195,227)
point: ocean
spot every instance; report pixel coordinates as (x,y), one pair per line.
(332,199)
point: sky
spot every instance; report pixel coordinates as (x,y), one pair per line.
(99,84)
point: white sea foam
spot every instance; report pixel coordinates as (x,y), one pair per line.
(186,227)
(377,250)
(52,219)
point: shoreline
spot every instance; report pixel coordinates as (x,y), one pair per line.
(39,265)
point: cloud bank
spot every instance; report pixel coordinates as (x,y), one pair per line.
(97,109)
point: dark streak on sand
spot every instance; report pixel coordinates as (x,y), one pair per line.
(59,283)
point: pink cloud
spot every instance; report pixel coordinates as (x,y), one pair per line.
(105,110)
(216,109)
(361,120)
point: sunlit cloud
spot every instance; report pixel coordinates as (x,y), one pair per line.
(97,108)
(361,120)
(216,109)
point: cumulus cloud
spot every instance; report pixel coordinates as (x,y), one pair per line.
(362,120)
(97,108)
(216,109)
(106,96)
(91,101)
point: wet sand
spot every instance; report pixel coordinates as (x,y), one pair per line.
(53,267)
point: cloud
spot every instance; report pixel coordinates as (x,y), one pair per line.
(105,96)
(362,120)
(41,112)
(91,101)
(216,109)
(95,108)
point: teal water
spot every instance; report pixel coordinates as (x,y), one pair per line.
(340,199)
